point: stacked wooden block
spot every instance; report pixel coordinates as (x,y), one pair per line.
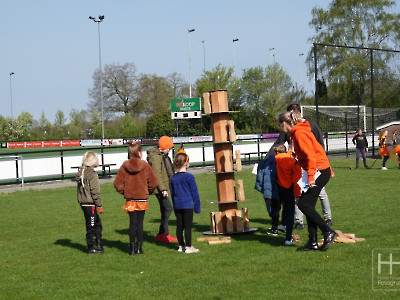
(228,219)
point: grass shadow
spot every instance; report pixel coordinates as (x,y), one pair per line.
(68,243)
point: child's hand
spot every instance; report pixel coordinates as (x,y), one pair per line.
(165,194)
(100,210)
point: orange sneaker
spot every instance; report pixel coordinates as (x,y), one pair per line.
(170,238)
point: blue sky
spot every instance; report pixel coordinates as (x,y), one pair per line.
(52,46)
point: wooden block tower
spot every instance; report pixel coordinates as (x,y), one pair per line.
(228,219)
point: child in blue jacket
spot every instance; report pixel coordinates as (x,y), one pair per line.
(185,199)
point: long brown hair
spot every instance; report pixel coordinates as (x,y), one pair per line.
(134,150)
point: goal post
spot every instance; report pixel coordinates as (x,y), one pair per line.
(337,118)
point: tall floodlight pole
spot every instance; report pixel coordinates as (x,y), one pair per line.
(98,21)
(271,54)
(190,71)
(300,55)
(12,116)
(233,54)
(204,55)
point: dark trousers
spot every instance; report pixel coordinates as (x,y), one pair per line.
(273,208)
(360,152)
(385,159)
(184,222)
(308,201)
(93,224)
(166,210)
(136,226)
(287,198)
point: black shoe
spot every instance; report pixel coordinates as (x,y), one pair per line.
(329,238)
(132,250)
(310,246)
(329,222)
(139,249)
(92,250)
(298,226)
(99,244)
(272,231)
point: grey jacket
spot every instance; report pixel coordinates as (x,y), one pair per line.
(88,191)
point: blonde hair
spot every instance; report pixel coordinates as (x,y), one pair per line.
(90,159)
(289,117)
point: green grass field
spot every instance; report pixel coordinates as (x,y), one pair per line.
(42,247)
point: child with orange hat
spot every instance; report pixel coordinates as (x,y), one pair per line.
(163,168)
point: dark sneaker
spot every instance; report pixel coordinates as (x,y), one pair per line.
(272,231)
(298,226)
(329,238)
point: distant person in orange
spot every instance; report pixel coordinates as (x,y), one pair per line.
(312,158)
(383,149)
(397,152)
(289,172)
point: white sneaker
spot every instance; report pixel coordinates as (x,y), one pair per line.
(191,250)
(289,243)
(384,168)
(180,249)
(282,228)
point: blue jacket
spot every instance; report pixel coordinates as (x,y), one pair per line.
(184,192)
(266,181)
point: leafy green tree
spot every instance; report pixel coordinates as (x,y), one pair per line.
(353,23)
(155,93)
(95,130)
(219,78)
(129,127)
(260,94)
(179,85)
(77,125)
(60,118)
(5,129)
(160,124)
(279,93)
(22,127)
(119,90)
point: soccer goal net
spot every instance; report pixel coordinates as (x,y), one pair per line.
(349,118)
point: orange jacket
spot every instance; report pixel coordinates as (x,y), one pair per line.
(309,153)
(288,171)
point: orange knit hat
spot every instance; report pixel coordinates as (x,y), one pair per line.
(165,143)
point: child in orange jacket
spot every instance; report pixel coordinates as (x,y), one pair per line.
(288,173)
(397,152)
